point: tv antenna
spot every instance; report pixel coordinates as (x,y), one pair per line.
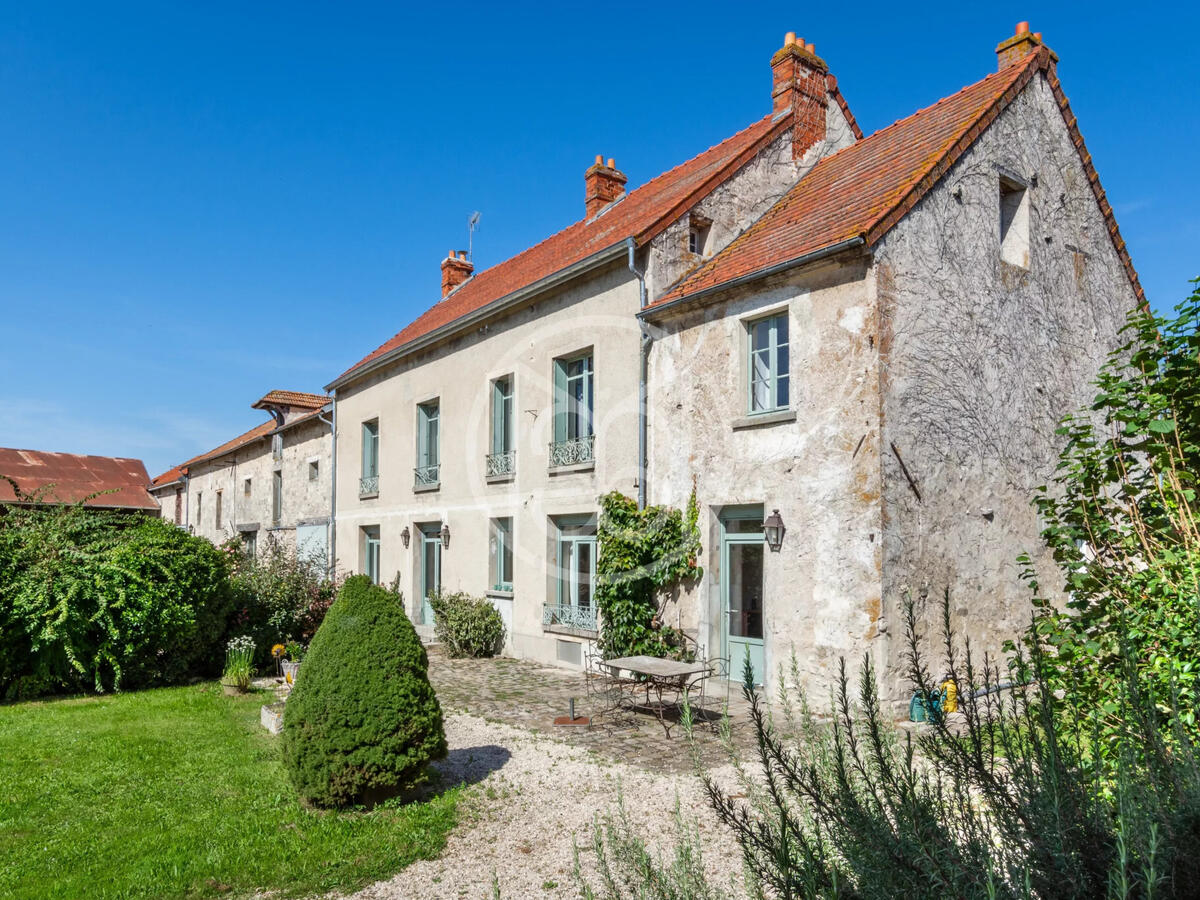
(472,224)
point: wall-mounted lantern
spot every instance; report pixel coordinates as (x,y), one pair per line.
(404,536)
(445,535)
(774,529)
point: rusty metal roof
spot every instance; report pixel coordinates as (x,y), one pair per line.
(72,478)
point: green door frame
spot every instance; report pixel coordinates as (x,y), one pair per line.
(431,540)
(735,647)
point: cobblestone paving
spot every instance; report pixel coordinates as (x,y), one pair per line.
(531,696)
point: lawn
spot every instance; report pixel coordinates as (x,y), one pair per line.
(179,793)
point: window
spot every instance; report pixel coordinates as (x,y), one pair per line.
(428,470)
(769,364)
(368,483)
(199,509)
(502,458)
(370,550)
(218,512)
(575,556)
(277,496)
(250,543)
(500,563)
(1014,223)
(178,506)
(699,229)
(314,469)
(574,411)
(246,487)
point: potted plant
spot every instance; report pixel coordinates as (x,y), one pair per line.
(239,665)
(294,651)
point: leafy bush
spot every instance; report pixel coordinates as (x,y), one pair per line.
(642,553)
(281,596)
(1001,805)
(1122,520)
(94,600)
(362,722)
(466,625)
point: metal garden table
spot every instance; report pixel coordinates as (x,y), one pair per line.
(666,678)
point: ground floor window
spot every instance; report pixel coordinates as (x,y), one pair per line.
(370,564)
(575,561)
(500,562)
(250,543)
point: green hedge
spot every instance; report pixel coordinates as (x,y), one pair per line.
(466,625)
(92,600)
(362,722)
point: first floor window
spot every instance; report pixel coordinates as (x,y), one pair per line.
(371,553)
(576,562)
(428,444)
(501,555)
(199,509)
(769,364)
(218,513)
(574,403)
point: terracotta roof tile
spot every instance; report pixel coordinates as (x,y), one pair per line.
(864,189)
(641,214)
(72,477)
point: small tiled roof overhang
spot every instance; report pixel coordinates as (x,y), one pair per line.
(69,478)
(641,215)
(855,196)
(293,399)
(171,476)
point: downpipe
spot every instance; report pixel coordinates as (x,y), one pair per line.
(643,368)
(331,569)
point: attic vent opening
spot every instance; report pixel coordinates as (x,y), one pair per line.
(1014,223)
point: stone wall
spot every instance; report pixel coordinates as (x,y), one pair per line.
(980,360)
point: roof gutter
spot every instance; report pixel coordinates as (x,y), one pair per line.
(499,305)
(794,262)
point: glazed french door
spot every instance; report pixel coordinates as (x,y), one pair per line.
(742,557)
(431,568)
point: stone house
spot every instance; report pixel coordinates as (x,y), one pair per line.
(273,482)
(865,340)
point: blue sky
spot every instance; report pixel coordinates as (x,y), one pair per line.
(204,202)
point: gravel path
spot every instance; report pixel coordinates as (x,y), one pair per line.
(531,796)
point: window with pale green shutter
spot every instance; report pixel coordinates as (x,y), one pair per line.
(368,484)
(768,364)
(500,562)
(574,411)
(501,461)
(428,470)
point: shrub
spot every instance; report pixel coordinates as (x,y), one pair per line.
(1123,523)
(362,722)
(466,625)
(93,600)
(280,595)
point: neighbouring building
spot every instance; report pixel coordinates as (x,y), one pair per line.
(272,483)
(100,482)
(872,336)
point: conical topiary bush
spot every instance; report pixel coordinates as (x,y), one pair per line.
(362,722)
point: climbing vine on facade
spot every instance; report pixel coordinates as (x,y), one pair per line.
(643,555)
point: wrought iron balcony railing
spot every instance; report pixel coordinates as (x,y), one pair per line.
(368,485)
(426,476)
(501,463)
(572,452)
(574,618)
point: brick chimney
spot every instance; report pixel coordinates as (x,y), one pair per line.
(799,82)
(455,270)
(603,184)
(1020,45)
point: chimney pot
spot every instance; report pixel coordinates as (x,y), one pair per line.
(612,163)
(789,39)
(1022,28)
(599,159)
(811,48)
(1018,47)
(1038,35)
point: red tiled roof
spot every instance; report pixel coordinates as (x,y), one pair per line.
(72,478)
(249,437)
(294,399)
(863,190)
(641,214)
